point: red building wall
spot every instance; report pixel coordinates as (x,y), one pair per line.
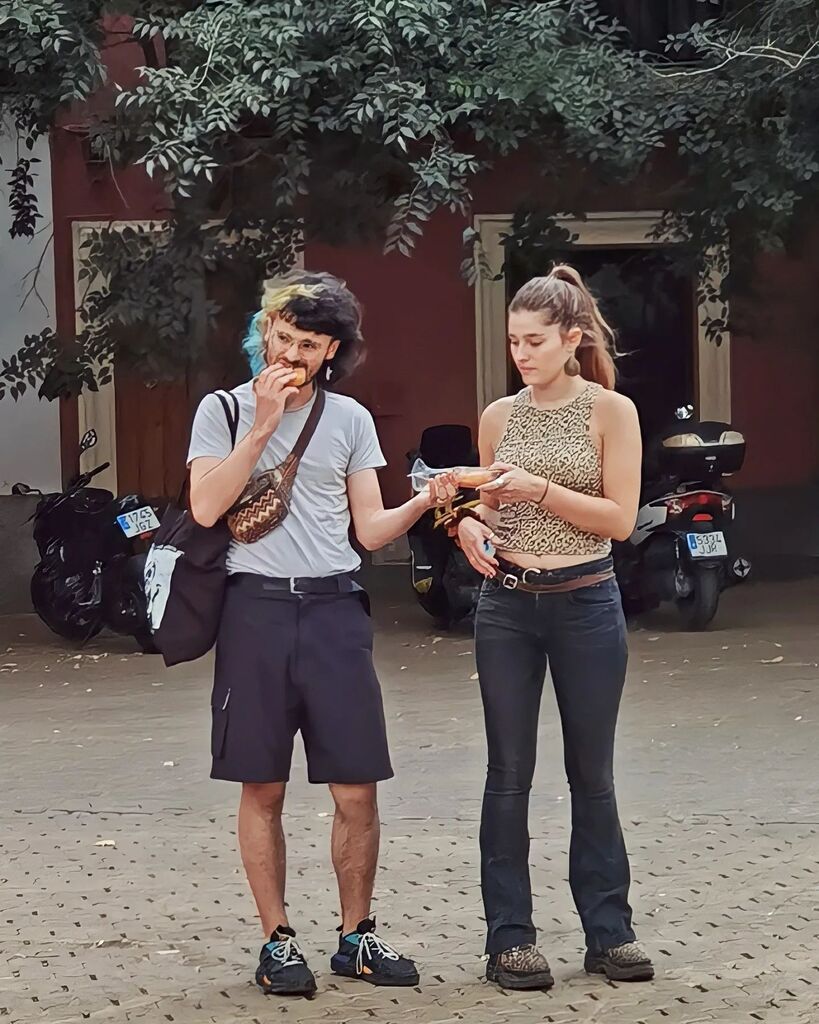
(419,323)
(775,373)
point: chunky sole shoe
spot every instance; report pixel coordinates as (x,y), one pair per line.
(601,964)
(521,982)
(341,966)
(302,985)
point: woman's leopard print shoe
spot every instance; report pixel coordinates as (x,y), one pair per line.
(523,967)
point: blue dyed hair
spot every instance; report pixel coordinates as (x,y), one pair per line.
(253,344)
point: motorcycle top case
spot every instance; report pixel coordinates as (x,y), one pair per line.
(695,450)
(186,575)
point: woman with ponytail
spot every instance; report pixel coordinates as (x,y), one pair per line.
(569,449)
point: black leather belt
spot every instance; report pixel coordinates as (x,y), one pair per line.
(343,583)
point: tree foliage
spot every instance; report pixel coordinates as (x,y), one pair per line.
(268,123)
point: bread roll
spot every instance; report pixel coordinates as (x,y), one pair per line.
(476,476)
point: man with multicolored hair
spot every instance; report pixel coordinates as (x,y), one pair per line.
(295,644)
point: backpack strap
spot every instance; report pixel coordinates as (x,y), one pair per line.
(230,404)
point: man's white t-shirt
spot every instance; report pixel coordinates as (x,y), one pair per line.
(314,538)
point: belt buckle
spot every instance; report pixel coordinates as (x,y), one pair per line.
(294,582)
(510,581)
(523,575)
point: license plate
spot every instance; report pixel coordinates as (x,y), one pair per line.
(707,545)
(141,520)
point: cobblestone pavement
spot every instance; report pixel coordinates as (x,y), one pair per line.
(121,897)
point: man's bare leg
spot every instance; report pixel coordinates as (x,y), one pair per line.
(356,835)
(262,845)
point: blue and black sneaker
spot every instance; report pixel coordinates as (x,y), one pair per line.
(363,955)
(283,971)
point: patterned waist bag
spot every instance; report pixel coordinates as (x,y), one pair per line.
(265,502)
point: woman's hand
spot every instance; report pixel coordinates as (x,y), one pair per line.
(516,485)
(272,388)
(440,490)
(473,536)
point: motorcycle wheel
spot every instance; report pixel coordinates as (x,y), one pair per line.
(125,604)
(435,604)
(700,607)
(77,624)
(462,585)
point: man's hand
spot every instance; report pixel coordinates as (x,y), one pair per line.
(440,490)
(473,536)
(272,388)
(516,485)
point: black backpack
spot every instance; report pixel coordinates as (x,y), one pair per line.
(185,574)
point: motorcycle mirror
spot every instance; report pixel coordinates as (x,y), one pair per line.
(89,439)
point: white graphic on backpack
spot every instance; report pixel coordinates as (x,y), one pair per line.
(159,567)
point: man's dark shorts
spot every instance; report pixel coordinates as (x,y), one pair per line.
(287,663)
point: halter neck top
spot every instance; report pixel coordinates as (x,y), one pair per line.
(557,445)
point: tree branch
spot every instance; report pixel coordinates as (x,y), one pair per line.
(36,272)
(793,60)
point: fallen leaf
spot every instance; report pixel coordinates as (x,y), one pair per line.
(169,764)
(771,661)
(106,842)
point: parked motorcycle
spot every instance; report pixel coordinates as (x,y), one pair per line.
(445,584)
(681,549)
(92,555)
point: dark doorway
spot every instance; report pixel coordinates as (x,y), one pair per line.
(649,300)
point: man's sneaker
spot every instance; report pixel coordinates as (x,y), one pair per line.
(365,956)
(523,967)
(283,971)
(621,963)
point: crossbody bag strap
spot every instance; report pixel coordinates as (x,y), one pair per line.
(309,428)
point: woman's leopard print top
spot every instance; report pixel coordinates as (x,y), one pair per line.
(557,445)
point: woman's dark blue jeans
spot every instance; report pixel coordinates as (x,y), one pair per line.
(581,635)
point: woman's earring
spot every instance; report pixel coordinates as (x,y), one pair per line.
(572,366)
(329,372)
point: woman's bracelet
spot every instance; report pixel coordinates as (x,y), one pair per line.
(542,498)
